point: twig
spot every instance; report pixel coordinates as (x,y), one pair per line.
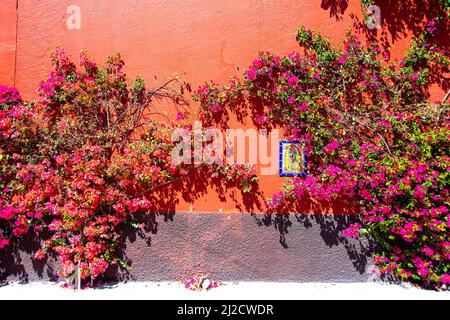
(446,97)
(442,108)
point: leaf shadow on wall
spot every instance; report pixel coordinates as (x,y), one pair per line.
(398,20)
(331,226)
(16,261)
(337,7)
(194,186)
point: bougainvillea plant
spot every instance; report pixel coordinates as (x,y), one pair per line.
(371,134)
(78,162)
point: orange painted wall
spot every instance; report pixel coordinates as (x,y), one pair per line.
(7,41)
(202,39)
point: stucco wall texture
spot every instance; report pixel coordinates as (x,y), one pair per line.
(228,247)
(214,231)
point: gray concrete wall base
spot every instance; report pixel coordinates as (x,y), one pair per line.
(228,247)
